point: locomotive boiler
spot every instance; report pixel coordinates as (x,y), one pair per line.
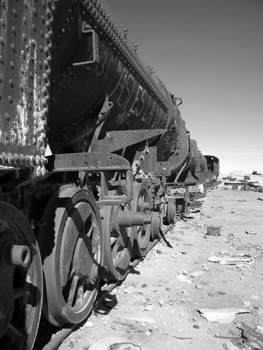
(94,156)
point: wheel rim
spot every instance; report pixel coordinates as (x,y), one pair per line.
(117,243)
(71,249)
(141,203)
(156,225)
(171,211)
(21,281)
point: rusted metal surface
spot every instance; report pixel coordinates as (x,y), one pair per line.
(24,79)
(117,242)
(20,281)
(71,247)
(171,210)
(141,203)
(96,161)
(85,122)
(115,140)
(56,341)
(66,48)
(138,98)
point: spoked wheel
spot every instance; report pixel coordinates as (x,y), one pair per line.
(21,281)
(171,211)
(117,242)
(71,249)
(141,203)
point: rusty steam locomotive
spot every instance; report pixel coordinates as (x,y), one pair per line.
(94,155)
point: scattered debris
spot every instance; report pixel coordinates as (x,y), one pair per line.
(257,247)
(124,346)
(160,310)
(114,343)
(255,339)
(87,324)
(213,231)
(161,302)
(183,279)
(198,286)
(148,308)
(231,236)
(246,303)
(259,329)
(181,338)
(220,292)
(228,345)
(226,260)
(128,320)
(197,273)
(221,315)
(253,233)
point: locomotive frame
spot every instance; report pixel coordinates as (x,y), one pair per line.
(122,161)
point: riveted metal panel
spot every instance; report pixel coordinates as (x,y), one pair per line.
(24,81)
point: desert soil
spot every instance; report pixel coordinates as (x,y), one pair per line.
(158,305)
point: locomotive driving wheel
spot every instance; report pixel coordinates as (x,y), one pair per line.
(117,241)
(71,249)
(157,220)
(141,203)
(171,211)
(21,281)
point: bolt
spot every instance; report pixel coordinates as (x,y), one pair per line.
(21,158)
(10,158)
(16,158)
(17,255)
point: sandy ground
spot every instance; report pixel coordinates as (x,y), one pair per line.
(158,305)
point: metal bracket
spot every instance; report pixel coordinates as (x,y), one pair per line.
(106,198)
(95,46)
(163,168)
(95,161)
(147,159)
(148,163)
(104,113)
(116,140)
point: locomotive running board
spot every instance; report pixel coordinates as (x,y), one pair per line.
(116,140)
(94,161)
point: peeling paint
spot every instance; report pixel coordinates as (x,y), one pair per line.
(29,118)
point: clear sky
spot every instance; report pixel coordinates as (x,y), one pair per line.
(209,53)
